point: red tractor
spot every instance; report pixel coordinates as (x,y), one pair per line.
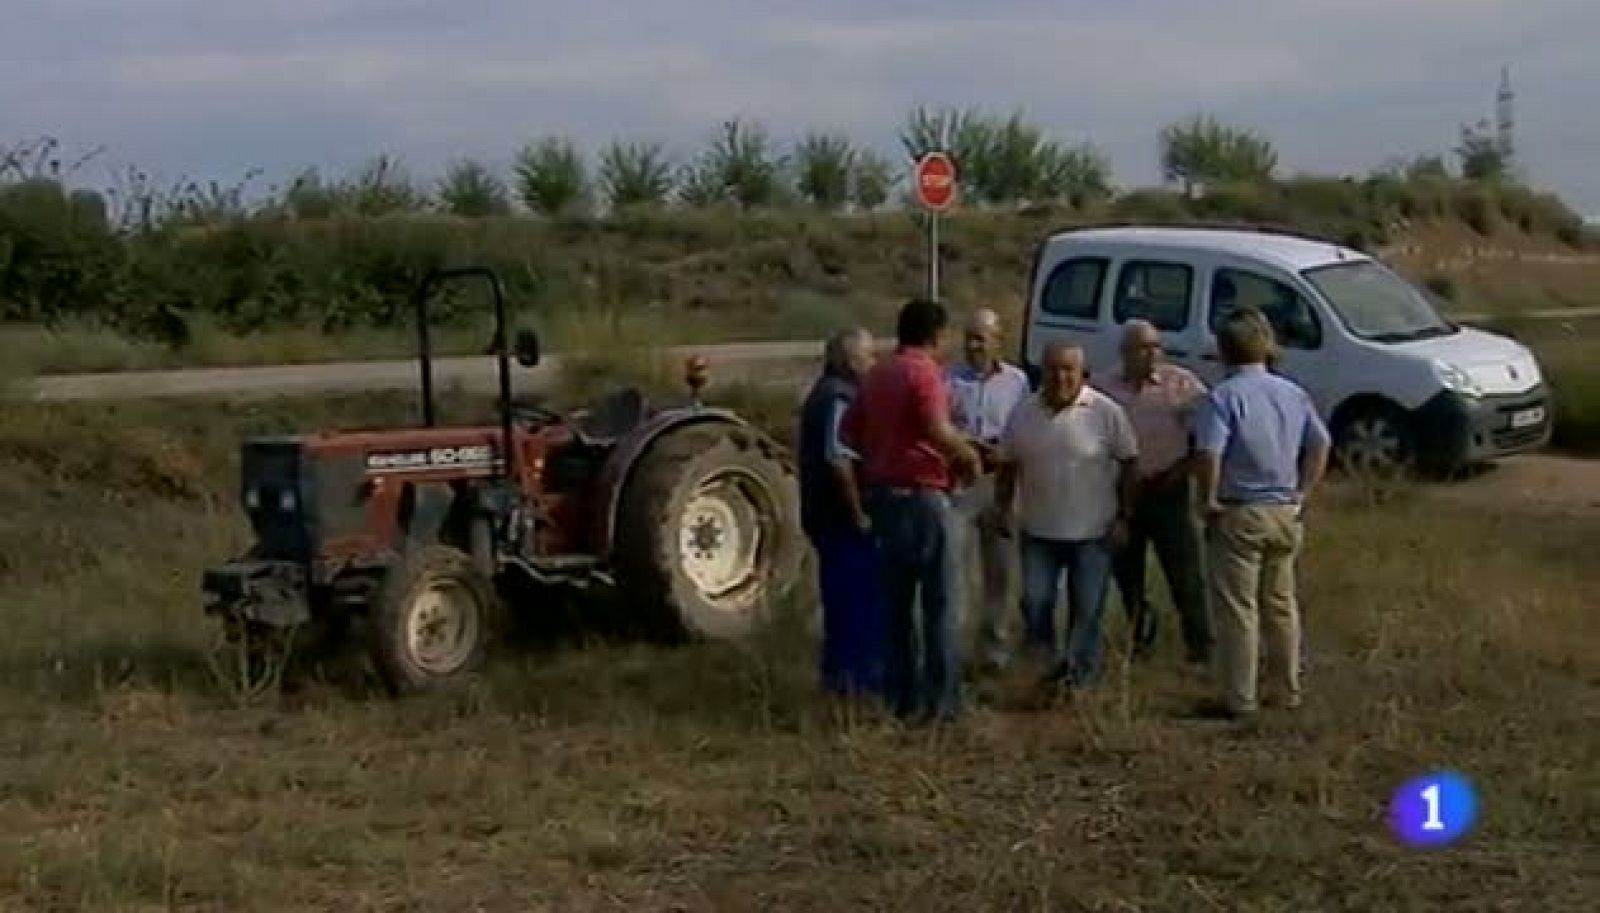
(421,534)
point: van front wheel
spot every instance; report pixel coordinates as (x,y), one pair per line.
(1374,440)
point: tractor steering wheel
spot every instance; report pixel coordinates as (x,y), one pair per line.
(534,415)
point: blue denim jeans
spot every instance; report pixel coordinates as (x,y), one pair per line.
(920,570)
(854,619)
(1087,565)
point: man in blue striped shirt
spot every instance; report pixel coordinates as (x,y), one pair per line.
(984,391)
(1262,450)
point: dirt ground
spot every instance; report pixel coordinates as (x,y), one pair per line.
(1533,483)
(595,774)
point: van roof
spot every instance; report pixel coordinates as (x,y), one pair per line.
(1290,252)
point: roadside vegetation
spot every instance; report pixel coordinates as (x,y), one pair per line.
(1571,361)
(590,773)
(753,235)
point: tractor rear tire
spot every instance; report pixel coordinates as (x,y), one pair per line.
(430,625)
(708,537)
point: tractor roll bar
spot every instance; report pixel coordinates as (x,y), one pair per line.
(432,281)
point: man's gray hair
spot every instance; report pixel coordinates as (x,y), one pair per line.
(1061,347)
(984,320)
(840,346)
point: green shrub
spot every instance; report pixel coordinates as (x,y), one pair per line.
(871,180)
(1242,202)
(634,175)
(1326,198)
(1150,205)
(58,257)
(1575,384)
(470,189)
(1442,285)
(823,163)
(552,178)
(1428,197)
(1475,206)
(1574,235)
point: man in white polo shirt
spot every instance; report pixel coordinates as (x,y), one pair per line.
(1071,453)
(983,392)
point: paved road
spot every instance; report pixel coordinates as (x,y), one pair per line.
(775,360)
(478,373)
(1540,482)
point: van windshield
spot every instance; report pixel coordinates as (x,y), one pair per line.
(1376,304)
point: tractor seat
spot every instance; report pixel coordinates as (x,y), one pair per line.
(611,418)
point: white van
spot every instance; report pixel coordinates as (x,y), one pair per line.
(1395,381)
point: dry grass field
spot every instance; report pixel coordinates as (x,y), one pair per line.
(594,774)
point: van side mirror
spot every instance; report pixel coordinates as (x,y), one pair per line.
(526,348)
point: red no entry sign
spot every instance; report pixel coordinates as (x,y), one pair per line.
(935,181)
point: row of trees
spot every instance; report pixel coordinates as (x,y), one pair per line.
(1002,161)
(125,255)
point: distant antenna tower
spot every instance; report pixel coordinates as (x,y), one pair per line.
(1504,117)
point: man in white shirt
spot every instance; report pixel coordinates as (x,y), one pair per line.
(1071,453)
(983,392)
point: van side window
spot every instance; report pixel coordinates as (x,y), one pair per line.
(1157,292)
(1073,289)
(1293,319)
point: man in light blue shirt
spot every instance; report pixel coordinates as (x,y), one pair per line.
(984,390)
(1262,450)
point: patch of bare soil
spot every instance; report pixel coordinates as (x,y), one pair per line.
(1537,483)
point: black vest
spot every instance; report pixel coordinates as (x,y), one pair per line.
(822,507)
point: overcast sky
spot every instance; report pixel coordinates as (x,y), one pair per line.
(212,87)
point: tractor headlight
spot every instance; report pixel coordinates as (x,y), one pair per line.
(287,501)
(1456,379)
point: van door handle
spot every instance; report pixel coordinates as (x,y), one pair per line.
(1209,356)
(1177,353)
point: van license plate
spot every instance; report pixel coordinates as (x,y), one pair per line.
(1527,417)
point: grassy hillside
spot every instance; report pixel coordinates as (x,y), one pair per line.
(319,270)
(293,292)
(610,775)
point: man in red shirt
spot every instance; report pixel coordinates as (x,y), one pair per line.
(900,425)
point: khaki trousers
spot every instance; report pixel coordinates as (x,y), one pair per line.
(1251,551)
(996,556)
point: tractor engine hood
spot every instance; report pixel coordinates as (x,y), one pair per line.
(295,497)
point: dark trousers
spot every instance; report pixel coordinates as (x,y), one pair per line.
(920,571)
(854,614)
(1164,518)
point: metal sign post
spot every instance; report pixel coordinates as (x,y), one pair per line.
(935,188)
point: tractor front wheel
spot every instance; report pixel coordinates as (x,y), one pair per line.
(708,537)
(431,622)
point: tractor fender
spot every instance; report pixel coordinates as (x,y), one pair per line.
(618,468)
